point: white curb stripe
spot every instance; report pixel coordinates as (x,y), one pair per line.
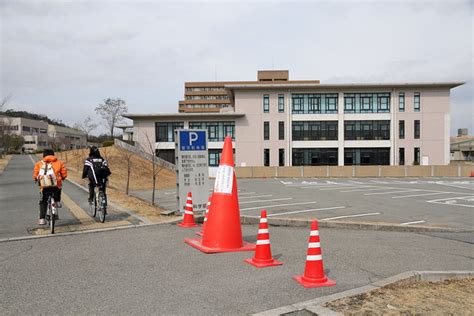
(263,231)
(314,245)
(263,242)
(314,258)
(314,233)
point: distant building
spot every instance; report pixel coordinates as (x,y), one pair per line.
(462,146)
(65,138)
(34,133)
(127,132)
(38,135)
(275,121)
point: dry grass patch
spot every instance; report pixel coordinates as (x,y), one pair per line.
(449,297)
(4,162)
(140,179)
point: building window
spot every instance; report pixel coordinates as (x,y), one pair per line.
(216,131)
(266,130)
(281,157)
(215,157)
(366,156)
(401,129)
(401,156)
(281,103)
(281,130)
(266,157)
(25,128)
(166,154)
(314,130)
(314,103)
(266,103)
(367,102)
(416,155)
(367,130)
(417,129)
(417,102)
(164,131)
(401,102)
(314,156)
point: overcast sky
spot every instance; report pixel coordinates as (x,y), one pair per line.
(62,58)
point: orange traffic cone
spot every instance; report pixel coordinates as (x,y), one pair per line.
(205,217)
(188,218)
(263,253)
(223,232)
(314,270)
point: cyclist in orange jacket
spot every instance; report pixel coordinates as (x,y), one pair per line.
(49,173)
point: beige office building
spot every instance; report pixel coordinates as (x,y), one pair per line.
(275,121)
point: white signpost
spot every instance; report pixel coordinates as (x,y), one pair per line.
(192,169)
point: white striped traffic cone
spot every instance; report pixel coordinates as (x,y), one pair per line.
(314,270)
(201,233)
(263,253)
(188,218)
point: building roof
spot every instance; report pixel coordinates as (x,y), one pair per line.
(65,130)
(182,115)
(289,84)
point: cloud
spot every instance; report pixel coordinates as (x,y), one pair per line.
(62,58)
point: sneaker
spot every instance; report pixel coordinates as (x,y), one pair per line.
(42,221)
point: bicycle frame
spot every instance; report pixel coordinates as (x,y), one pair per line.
(51,211)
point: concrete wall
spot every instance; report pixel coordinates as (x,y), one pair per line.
(354,171)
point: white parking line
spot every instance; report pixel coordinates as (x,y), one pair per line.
(393,192)
(382,182)
(255,196)
(424,194)
(348,186)
(305,211)
(454,186)
(453,198)
(368,186)
(347,216)
(246,193)
(174,192)
(270,206)
(259,201)
(415,222)
(356,182)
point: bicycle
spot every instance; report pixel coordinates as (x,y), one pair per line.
(98,204)
(51,213)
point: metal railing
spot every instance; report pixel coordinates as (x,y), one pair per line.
(144,155)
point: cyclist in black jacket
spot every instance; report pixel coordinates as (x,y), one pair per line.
(96,169)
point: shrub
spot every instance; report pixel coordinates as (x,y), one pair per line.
(107,143)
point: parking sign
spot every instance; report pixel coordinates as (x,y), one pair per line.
(192,168)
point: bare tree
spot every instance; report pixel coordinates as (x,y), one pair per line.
(111,112)
(5,123)
(126,157)
(86,126)
(150,148)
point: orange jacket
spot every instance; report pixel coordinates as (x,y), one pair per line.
(58,167)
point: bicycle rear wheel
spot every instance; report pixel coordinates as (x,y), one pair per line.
(93,207)
(102,207)
(52,220)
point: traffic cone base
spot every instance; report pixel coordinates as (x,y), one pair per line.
(263,263)
(310,283)
(188,225)
(197,243)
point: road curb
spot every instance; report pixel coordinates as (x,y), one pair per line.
(316,305)
(90,231)
(291,222)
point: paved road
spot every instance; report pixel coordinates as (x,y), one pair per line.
(440,202)
(19,198)
(151,271)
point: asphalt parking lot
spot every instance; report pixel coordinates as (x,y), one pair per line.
(433,202)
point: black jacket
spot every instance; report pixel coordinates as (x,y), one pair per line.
(95,169)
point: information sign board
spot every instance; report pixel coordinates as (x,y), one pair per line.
(192,169)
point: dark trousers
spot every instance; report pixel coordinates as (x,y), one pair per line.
(102,187)
(44,196)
